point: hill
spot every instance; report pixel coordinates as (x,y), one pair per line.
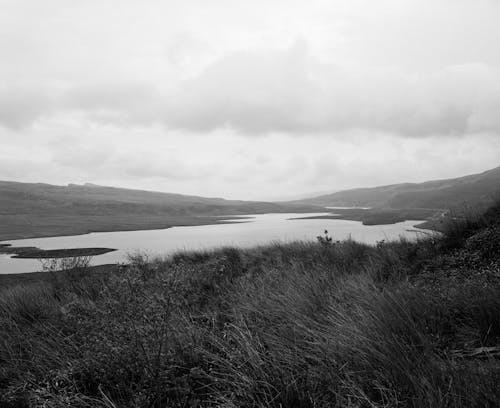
(317,324)
(36,209)
(474,190)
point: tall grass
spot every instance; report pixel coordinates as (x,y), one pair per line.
(286,325)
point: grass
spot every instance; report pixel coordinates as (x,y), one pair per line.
(326,324)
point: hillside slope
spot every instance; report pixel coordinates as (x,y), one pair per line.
(476,189)
(405,324)
(30,210)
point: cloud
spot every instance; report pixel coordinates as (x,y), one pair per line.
(222,100)
(21,106)
(257,92)
(290,91)
(400,67)
(247,90)
(104,158)
(164,164)
(115,102)
(182,47)
(76,155)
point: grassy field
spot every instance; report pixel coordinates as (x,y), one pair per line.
(326,324)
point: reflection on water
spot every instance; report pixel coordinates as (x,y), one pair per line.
(259,229)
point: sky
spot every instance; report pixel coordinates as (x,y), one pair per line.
(261,100)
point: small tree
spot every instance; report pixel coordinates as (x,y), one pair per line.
(66,272)
(74,263)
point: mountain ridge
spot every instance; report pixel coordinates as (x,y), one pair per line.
(474,189)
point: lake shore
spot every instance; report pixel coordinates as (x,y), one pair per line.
(21,227)
(52,226)
(261,230)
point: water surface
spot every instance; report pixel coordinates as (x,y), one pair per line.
(259,229)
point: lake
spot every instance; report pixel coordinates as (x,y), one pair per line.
(241,232)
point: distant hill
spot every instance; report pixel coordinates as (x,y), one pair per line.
(36,209)
(477,189)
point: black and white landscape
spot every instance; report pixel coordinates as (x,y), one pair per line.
(249,204)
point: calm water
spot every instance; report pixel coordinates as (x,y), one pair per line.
(260,229)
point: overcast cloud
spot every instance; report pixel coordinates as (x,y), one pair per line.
(256,100)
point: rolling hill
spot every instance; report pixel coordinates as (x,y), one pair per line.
(475,190)
(36,209)
(39,210)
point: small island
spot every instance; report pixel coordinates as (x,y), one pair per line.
(381,216)
(37,253)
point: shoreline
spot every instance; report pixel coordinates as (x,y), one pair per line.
(218,220)
(370,216)
(366,217)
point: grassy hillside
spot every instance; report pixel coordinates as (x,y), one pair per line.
(342,324)
(477,189)
(34,210)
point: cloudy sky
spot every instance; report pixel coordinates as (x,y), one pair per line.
(262,99)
